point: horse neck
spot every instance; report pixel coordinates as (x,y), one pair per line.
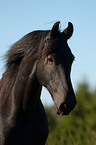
(26,90)
(31,94)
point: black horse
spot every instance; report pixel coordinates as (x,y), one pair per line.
(41,58)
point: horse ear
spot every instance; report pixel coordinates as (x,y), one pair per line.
(55,30)
(68,31)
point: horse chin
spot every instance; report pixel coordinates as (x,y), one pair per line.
(62,113)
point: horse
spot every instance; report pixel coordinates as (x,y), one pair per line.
(40,58)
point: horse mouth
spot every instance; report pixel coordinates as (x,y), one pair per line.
(63,109)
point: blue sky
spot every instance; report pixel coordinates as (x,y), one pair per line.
(20,17)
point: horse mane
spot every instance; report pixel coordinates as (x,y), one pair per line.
(27,46)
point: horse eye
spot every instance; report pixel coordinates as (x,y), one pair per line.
(50,59)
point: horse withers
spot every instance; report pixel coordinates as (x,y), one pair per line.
(41,58)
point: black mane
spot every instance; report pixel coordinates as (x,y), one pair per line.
(26,46)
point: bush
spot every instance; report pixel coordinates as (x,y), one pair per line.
(78,128)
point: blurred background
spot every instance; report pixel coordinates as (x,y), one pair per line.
(17,18)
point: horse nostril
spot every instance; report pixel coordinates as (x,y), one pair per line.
(63,107)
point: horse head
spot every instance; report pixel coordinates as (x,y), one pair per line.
(54,67)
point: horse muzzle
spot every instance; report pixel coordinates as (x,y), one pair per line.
(65,107)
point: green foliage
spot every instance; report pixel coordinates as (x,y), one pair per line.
(78,128)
